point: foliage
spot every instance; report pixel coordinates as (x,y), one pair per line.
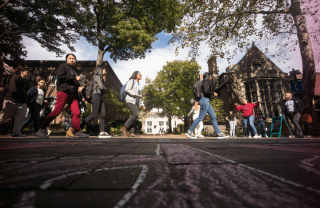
(87,112)
(220,22)
(117,123)
(113,105)
(171,90)
(126,29)
(217,105)
(48,22)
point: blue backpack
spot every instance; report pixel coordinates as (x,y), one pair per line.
(123,93)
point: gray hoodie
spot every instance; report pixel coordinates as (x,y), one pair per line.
(97,82)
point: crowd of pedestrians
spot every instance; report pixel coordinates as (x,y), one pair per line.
(24,104)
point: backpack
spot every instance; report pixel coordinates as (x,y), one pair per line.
(87,91)
(123,93)
(197,92)
(31,96)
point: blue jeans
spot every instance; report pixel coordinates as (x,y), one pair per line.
(205,107)
(261,128)
(251,123)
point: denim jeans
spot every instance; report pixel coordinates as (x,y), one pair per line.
(205,107)
(251,124)
(261,128)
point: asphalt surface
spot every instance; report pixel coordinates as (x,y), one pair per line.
(159,172)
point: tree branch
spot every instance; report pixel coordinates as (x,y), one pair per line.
(4,3)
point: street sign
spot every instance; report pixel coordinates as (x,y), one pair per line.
(297,86)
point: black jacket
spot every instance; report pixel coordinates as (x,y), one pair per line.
(32,95)
(66,76)
(298,105)
(16,90)
(207,89)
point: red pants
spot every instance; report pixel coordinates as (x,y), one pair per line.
(62,99)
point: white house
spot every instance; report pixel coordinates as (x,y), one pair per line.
(152,123)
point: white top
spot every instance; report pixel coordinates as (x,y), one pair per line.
(40,97)
(132,92)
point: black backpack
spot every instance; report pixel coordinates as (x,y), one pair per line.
(197,92)
(87,91)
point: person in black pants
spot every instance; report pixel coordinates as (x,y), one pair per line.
(133,102)
(293,108)
(35,102)
(99,89)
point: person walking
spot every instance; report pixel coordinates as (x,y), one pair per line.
(196,111)
(232,123)
(133,102)
(99,89)
(247,113)
(67,87)
(35,102)
(260,117)
(206,107)
(14,104)
(293,108)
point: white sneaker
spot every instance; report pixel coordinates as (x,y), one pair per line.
(257,136)
(191,135)
(222,136)
(250,136)
(49,132)
(200,135)
(104,135)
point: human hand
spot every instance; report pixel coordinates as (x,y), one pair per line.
(139,96)
(236,104)
(78,78)
(143,108)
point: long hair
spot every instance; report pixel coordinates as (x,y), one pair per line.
(134,75)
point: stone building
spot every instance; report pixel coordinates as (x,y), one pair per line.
(47,69)
(255,77)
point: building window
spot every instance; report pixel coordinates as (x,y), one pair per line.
(53,81)
(149,123)
(267,92)
(256,66)
(149,130)
(161,123)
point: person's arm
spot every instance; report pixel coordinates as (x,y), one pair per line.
(13,88)
(129,88)
(227,118)
(237,107)
(62,74)
(256,105)
(191,111)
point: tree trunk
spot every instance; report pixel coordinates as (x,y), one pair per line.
(170,125)
(309,71)
(100,57)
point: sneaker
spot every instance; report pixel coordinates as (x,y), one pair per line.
(222,136)
(257,136)
(250,136)
(49,132)
(191,135)
(104,135)
(19,135)
(42,134)
(80,134)
(200,135)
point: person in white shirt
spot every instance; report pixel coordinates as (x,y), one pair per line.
(35,102)
(196,111)
(133,101)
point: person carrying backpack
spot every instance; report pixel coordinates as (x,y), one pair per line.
(67,87)
(99,89)
(133,96)
(261,126)
(293,108)
(206,107)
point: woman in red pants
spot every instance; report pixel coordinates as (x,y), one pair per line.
(67,87)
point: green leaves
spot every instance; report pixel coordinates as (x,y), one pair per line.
(171,90)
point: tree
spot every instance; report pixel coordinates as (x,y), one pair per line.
(126,28)
(48,22)
(171,90)
(219,22)
(113,105)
